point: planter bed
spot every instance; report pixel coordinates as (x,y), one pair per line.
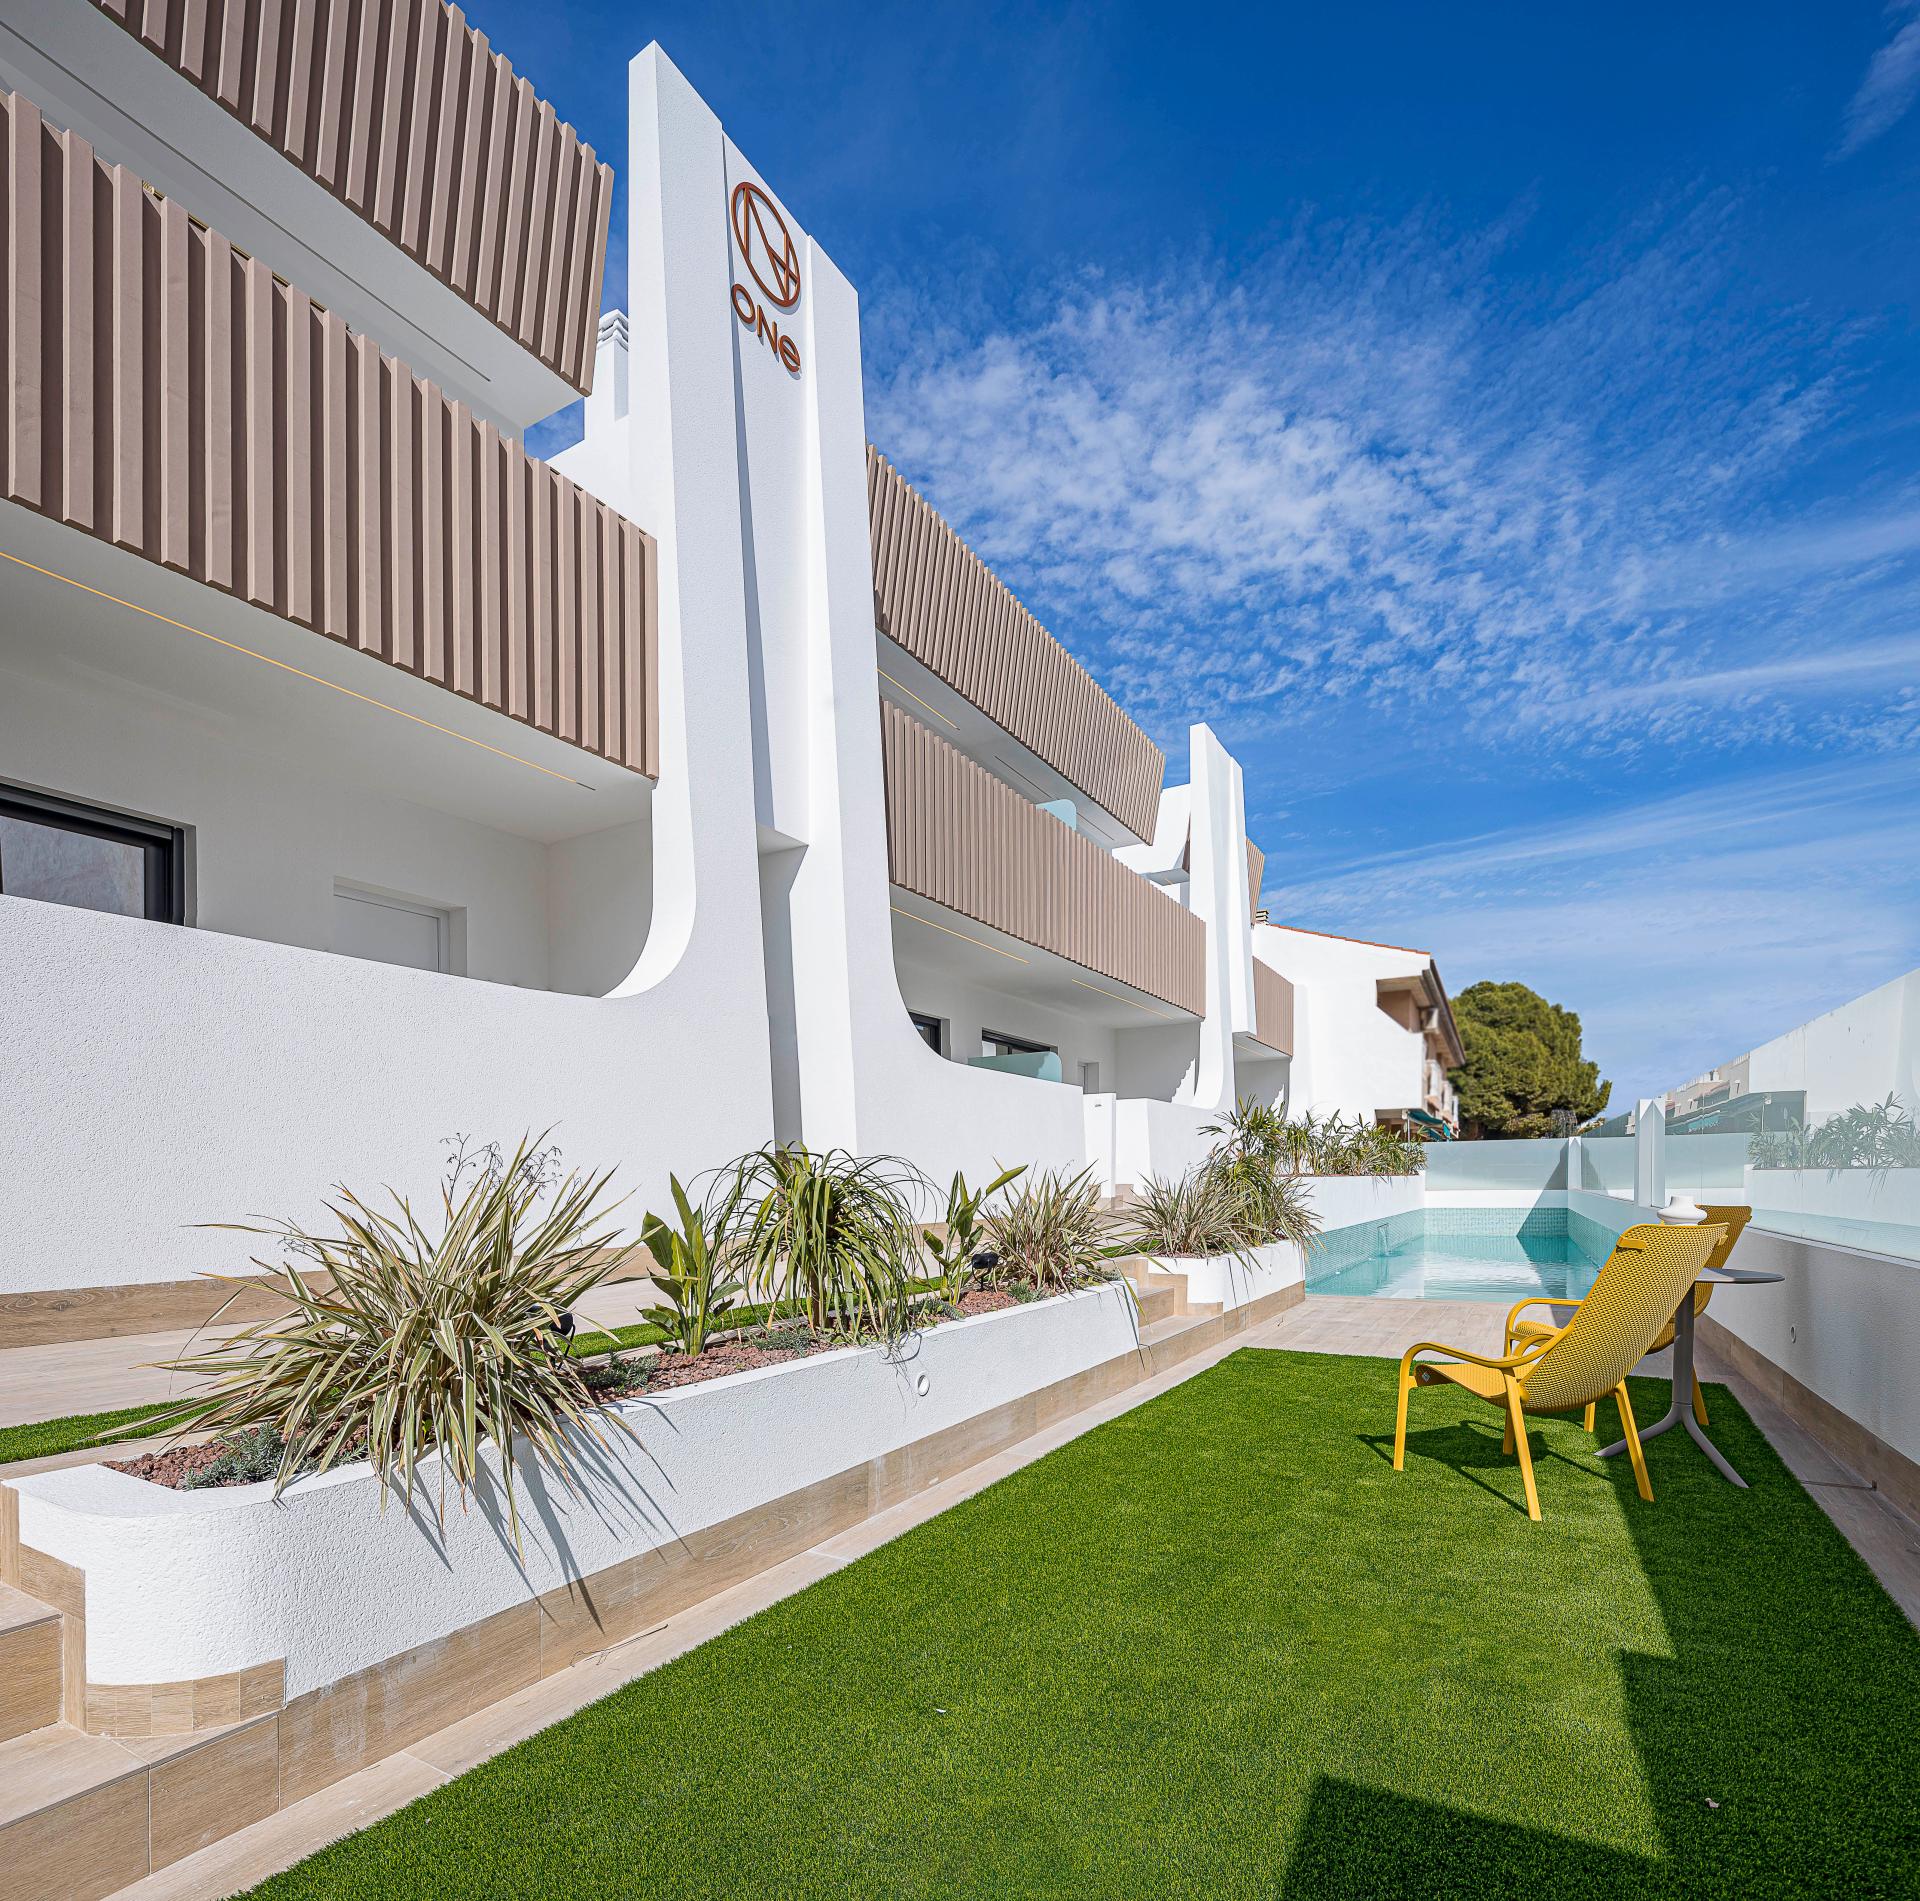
(184,1586)
(1231,1281)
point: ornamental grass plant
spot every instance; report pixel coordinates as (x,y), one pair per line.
(407,1340)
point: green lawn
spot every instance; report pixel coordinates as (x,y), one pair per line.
(1217,1648)
(45,1437)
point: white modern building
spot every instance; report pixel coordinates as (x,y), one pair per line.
(364,780)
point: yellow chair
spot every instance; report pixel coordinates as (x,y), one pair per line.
(1731,1218)
(1649,1270)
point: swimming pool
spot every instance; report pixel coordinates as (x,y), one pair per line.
(1499,1254)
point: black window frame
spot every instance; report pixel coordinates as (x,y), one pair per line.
(163,847)
(931,1030)
(1017,1045)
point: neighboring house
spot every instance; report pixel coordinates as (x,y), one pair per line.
(364,780)
(1374,1036)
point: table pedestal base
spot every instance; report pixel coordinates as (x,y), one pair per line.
(1680,1413)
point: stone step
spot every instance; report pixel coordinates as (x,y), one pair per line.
(84,1816)
(1159,1299)
(29,1663)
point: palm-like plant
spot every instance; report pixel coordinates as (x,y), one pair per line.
(403,1342)
(694,1266)
(1869,1135)
(832,1231)
(957,1244)
(1051,1234)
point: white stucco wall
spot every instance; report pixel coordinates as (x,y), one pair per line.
(1229,1281)
(1843,1322)
(186,1584)
(159,1078)
(1862,1052)
(1349,1057)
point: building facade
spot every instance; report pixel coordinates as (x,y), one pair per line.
(365,781)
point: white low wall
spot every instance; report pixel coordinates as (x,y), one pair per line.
(1228,1280)
(1844,1323)
(1133,1139)
(1875,1208)
(1343,1200)
(192,1584)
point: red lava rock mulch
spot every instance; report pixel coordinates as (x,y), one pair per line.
(730,1356)
(986,1300)
(173,1466)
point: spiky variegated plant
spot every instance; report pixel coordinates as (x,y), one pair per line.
(403,1341)
(1051,1233)
(1209,1211)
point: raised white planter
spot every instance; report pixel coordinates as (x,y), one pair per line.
(1228,1281)
(193,1584)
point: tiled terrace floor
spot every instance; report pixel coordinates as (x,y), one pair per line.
(1889,1543)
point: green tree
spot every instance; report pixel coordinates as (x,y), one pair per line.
(1523,1063)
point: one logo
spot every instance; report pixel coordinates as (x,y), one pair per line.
(766,245)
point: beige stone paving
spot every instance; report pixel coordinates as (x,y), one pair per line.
(1889,1542)
(96,1376)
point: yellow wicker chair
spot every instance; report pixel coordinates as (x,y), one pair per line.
(1649,1270)
(1730,1217)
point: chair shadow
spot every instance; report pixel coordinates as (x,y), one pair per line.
(1470,1447)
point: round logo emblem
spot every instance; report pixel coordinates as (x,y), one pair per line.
(766,245)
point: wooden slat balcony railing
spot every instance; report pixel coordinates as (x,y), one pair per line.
(958,836)
(169,395)
(952,613)
(1272,1008)
(404,113)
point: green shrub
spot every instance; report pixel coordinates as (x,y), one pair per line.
(1869,1135)
(694,1267)
(959,1241)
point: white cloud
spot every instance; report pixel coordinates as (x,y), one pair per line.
(1685,927)
(1367,469)
(1891,84)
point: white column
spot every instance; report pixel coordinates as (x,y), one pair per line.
(1650,1153)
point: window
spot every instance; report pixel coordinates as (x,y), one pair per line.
(932,1031)
(63,852)
(390,930)
(995,1043)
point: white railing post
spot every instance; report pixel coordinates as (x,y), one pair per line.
(1650,1154)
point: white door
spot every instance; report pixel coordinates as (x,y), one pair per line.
(389,930)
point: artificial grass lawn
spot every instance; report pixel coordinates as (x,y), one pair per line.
(45,1437)
(1217,1647)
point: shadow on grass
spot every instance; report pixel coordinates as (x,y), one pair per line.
(1356,1842)
(1471,1447)
(1775,1741)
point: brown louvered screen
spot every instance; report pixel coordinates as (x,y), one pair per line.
(1256,870)
(1272,1008)
(168,394)
(402,111)
(947,608)
(957,835)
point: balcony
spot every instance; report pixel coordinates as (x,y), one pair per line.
(169,396)
(947,611)
(376,152)
(1272,1009)
(960,838)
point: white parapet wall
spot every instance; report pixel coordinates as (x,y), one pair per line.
(184,1585)
(1228,1281)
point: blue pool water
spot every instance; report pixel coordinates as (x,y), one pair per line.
(1499,1254)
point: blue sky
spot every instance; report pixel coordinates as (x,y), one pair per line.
(1503,423)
